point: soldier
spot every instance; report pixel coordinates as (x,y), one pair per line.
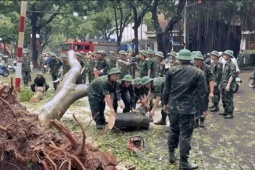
(66,66)
(26,69)
(216,68)
(155,86)
(99,91)
(84,70)
(92,64)
(198,58)
(182,85)
(101,67)
(161,64)
(125,92)
(144,65)
(139,91)
(154,63)
(123,64)
(54,64)
(82,77)
(227,84)
(39,81)
(112,60)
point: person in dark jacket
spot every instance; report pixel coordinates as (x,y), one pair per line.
(39,81)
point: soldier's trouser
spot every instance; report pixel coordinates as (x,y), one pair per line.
(127,101)
(25,75)
(181,129)
(198,107)
(91,76)
(216,98)
(97,108)
(54,77)
(227,101)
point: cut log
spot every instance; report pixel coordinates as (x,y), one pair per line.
(67,93)
(37,96)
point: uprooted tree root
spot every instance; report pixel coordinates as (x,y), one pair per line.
(27,144)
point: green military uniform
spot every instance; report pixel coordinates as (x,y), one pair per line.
(112,61)
(127,94)
(84,70)
(66,66)
(91,66)
(54,68)
(229,69)
(101,64)
(208,77)
(154,64)
(183,84)
(125,69)
(140,91)
(217,73)
(26,69)
(97,90)
(161,65)
(145,65)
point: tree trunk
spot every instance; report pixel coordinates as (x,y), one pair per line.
(135,28)
(68,92)
(159,31)
(34,19)
(37,96)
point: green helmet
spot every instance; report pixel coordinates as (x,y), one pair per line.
(122,52)
(173,54)
(193,52)
(184,54)
(127,78)
(229,53)
(199,56)
(53,55)
(111,52)
(216,53)
(78,54)
(146,80)
(160,54)
(150,51)
(114,71)
(63,56)
(137,81)
(39,74)
(25,51)
(101,52)
(143,52)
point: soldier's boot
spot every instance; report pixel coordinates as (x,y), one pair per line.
(229,116)
(163,119)
(223,113)
(215,108)
(172,157)
(202,122)
(185,165)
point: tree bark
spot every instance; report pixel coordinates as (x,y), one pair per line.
(34,18)
(68,92)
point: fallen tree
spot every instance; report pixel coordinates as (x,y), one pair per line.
(67,93)
(25,143)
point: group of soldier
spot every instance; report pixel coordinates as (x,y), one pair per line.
(182,83)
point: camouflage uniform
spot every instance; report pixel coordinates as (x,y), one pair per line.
(154,67)
(92,64)
(161,69)
(229,69)
(217,73)
(66,68)
(54,68)
(127,94)
(112,62)
(97,90)
(102,64)
(26,70)
(124,69)
(144,66)
(183,83)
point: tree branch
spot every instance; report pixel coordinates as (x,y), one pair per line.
(49,20)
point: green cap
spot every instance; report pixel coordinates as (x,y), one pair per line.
(229,53)
(101,52)
(216,53)
(137,81)
(173,54)
(150,51)
(111,52)
(160,54)
(199,56)
(39,74)
(78,54)
(127,78)
(114,71)
(122,52)
(25,51)
(193,52)
(146,80)
(143,52)
(82,52)
(63,56)
(53,55)
(184,54)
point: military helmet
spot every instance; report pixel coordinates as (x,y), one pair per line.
(184,54)
(229,53)
(146,80)
(193,52)
(101,52)
(53,55)
(25,51)
(114,71)
(220,53)
(150,51)
(199,56)
(216,53)
(122,52)
(111,52)
(39,74)
(174,54)
(143,52)
(127,78)
(82,52)
(63,56)
(137,81)
(78,54)
(160,54)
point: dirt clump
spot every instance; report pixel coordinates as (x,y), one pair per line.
(27,144)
